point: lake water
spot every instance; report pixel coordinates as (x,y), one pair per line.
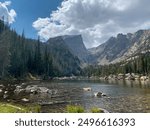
(122,96)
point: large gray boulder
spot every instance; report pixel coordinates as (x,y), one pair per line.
(34,89)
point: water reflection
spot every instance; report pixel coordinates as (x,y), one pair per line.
(125,96)
(130,83)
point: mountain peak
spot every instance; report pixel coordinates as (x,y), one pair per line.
(74,43)
(122,47)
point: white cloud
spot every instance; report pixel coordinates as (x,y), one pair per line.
(5,14)
(7,3)
(96,20)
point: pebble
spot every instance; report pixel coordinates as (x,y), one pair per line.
(6,92)
(25,100)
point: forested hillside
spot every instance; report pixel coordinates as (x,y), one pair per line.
(139,64)
(20,56)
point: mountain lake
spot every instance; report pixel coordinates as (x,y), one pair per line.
(120,96)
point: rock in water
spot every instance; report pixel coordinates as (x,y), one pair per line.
(32,89)
(143,78)
(1,90)
(104,95)
(98,94)
(5,96)
(18,91)
(2,86)
(5,92)
(87,89)
(25,100)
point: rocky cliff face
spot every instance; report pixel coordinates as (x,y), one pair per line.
(122,47)
(76,46)
(116,49)
(63,59)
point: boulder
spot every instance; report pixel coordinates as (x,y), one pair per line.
(104,95)
(100,110)
(23,84)
(32,89)
(5,92)
(5,96)
(2,86)
(45,90)
(120,76)
(25,100)
(19,90)
(98,94)
(104,110)
(18,87)
(130,77)
(35,90)
(87,89)
(143,78)
(137,77)
(1,90)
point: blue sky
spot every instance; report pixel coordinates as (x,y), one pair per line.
(95,20)
(28,11)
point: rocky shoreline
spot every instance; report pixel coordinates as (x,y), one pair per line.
(23,92)
(128,76)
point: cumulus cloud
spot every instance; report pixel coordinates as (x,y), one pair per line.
(96,20)
(6,14)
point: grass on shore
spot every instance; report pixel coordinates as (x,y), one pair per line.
(97,110)
(10,108)
(14,108)
(75,109)
(80,109)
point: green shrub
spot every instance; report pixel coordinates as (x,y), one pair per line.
(97,110)
(33,108)
(75,109)
(11,108)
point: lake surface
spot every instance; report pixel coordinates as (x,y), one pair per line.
(122,96)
